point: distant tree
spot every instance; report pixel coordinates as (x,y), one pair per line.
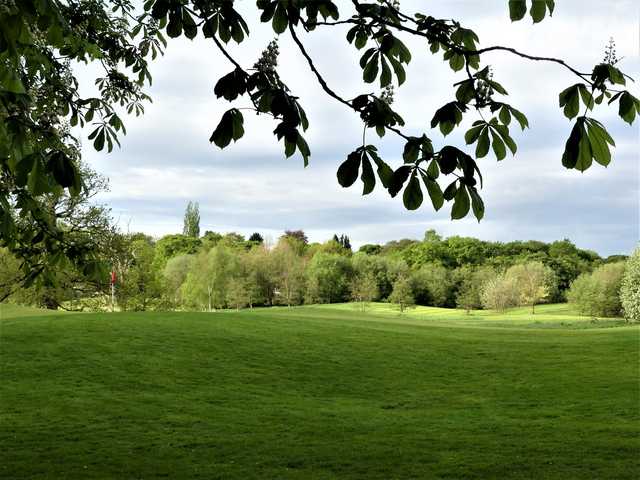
(288,274)
(432,285)
(296,239)
(343,241)
(170,246)
(500,293)
(335,247)
(174,274)
(256,238)
(364,289)
(534,282)
(402,294)
(471,281)
(139,286)
(234,241)
(370,249)
(597,294)
(191,227)
(328,278)
(630,290)
(210,239)
(297,234)
(206,284)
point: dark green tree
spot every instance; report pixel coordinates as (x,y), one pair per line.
(256,238)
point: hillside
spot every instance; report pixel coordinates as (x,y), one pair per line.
(318,392)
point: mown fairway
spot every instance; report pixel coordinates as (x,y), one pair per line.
(324,392)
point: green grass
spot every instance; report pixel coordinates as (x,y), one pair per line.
(318,393)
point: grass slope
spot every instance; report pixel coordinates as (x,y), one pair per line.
(317,393)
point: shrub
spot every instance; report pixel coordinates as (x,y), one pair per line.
(598,294)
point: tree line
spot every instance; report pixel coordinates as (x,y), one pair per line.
(214,271)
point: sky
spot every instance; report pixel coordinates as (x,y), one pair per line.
(166,159)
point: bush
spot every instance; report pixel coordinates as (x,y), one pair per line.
(598,294)
(630,290)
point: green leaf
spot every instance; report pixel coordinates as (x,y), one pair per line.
(450,192)
(483,144)
(370,72)
(473,133)
(572,146)
(348,171)
(385,77)
(461,204)
(229,128)
(505,116)
(584,152)
(599,146)
(434,191)
(280,20)
(411,150)
(498,146)
(477,203)
(627,107)
(412,197)
(538,10)
(517,9)
(433,170)
(98,143)
(399,70)
(504,133)
(368,178)
(520,117)
(398,179)
(587,97)
(570,100)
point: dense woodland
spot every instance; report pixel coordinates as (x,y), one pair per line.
(212,271)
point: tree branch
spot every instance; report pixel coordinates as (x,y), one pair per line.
(324,84)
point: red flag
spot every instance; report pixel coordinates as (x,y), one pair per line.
(113,278)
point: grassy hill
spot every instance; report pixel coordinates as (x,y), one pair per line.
(318,393)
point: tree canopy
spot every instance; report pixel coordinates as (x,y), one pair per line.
(40,99)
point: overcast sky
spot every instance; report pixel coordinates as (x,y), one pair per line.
(166,159)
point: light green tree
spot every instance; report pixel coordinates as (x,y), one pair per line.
(402,294)
(630,290)
(207,281)
(174,274)
(364,289)
(534,282)
(500,293)
(288,271)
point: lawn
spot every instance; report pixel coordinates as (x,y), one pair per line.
(318,393)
